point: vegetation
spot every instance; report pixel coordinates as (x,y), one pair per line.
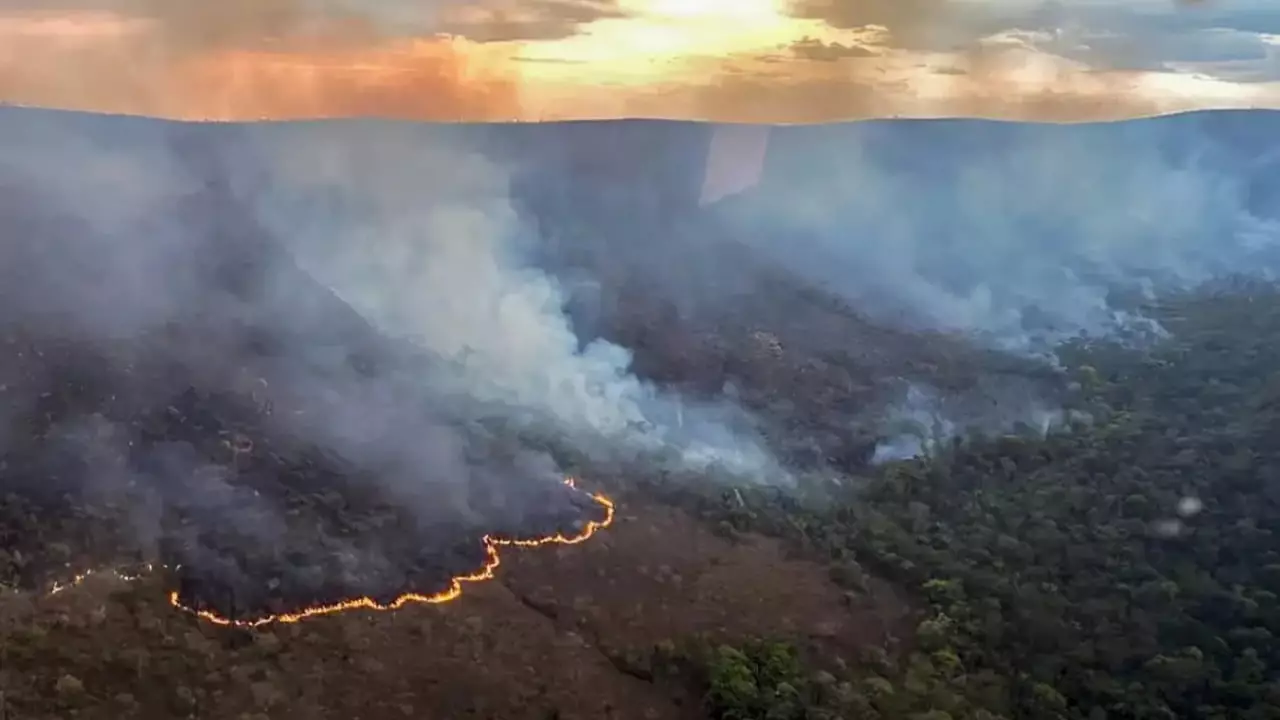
(1125,568)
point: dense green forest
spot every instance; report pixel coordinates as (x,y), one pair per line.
(1124,568)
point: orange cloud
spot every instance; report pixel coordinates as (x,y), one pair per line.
(413,79)
(733,60)
(143,65)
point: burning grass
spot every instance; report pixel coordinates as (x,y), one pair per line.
(190,600)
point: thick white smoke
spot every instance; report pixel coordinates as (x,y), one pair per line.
(420,236)
(166,259)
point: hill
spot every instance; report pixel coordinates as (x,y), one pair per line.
(194,401)
(291,363)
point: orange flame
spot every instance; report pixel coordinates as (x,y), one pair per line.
(452,592)
(82,577)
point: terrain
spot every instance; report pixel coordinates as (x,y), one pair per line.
(1116,564)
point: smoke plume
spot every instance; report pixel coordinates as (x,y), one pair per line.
(404,222)
(243,339)
(1017,237)
(1021,235)
(424,241)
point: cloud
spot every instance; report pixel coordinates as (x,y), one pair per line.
(1009,75)
(509,20)
(183,27)
(246,59)
(1227,40)
(193,25)
(986,88)
(814,49)
(1229,54)
(261,64)
(1105,34)
(910,24)
(539,59)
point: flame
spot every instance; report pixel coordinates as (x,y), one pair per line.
(82,577)
(486,572)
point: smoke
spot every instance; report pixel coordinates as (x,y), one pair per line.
(923,420)
(1015,237)
(336,311)
(170,358)
(405,223)
(422,238)
(1020,235)
(133,297)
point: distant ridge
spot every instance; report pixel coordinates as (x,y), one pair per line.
(9,107)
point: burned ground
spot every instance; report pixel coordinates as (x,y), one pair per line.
(576,633)
(195,441)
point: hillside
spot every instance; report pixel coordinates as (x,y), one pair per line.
(171,428)
(195,381)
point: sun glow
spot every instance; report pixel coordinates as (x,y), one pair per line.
(658,39)
(731,60)
(748,10)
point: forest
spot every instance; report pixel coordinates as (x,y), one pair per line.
(1124,567)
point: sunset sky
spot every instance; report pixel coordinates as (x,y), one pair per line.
(740,60)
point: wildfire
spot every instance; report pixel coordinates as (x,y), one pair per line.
(78,579)
(452,592)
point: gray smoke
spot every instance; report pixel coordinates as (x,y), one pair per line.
(410,225)
(923,420)
(1016,236)
(420,235)
(1019,235)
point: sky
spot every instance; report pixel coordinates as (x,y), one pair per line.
(775,61)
